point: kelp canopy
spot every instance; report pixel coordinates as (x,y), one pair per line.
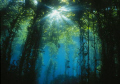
(60,41)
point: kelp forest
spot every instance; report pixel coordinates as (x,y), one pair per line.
(60,41)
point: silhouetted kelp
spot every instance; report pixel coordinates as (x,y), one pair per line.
(96,19)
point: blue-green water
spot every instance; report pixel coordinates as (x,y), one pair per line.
(60,41)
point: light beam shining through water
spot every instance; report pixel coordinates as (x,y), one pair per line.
(59,16)
(35,2)
(55,12)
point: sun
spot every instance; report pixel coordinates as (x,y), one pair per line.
(35,2)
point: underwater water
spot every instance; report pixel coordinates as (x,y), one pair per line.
(60,41)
